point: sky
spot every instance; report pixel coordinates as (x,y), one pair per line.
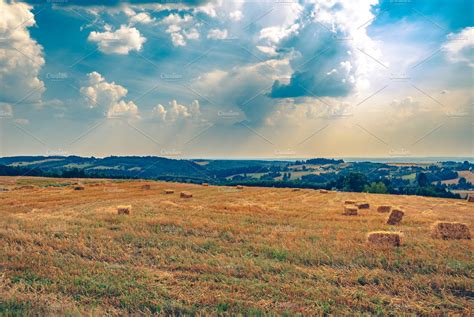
(237,79)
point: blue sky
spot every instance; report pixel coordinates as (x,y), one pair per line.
(237,78)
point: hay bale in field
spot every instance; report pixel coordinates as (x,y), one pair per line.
(240,187)
(296,189)
(185,195)
(146,187)
(451,231)
(385,238)
(384,208)
(25,187)
(363,205)
(169,191)
(350,211)
(395,217)
(205,184)
(79,187)
(124,210)
(323,191)
(349,202)
(470,198)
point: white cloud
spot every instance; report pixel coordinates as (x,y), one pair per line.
(178,27)
(108,96)
(245,88)
(173,28)
(236,15)
(460,46)
(178,39)
(331,31)
(192,34)
(269,50)
(21,57)
(175,18)
(175,112)
(275,34)
(122,41)
(217,34)
(142,17)
(207,9)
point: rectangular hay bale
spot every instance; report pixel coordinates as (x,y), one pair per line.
(451,231)
(395,217)
(384,208)
(185,195)
(384,238)
(350,211)
(363,205)
(169,191)
(124,209)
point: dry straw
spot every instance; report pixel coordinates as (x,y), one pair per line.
(385,238)
(169,191)
(350,211)
(363,205)
(384,208)
(395,217)
(451,231)
(124,210)
(185,195)
(146,187)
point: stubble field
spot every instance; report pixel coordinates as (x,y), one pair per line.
(250,251)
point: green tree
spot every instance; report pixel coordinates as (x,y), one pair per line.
(376,187)
(354,182)
(422,180)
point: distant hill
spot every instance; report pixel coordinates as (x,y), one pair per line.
(113,166)
(443,179)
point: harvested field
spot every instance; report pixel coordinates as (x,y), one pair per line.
(260,251)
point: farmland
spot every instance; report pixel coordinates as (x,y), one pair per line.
(252,251)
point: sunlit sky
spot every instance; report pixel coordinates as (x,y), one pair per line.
(234,79)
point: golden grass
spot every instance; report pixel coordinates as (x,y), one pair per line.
(254,252)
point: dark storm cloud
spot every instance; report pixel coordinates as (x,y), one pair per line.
(317,69)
